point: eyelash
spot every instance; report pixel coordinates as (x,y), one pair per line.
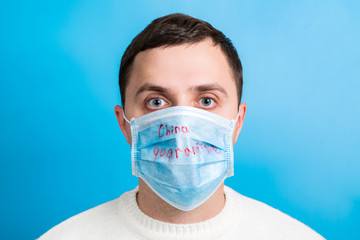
(213,105)
(147,102)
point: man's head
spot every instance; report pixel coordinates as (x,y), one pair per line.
(173,30)
(180,61)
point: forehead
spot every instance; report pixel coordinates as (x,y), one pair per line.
(180,66)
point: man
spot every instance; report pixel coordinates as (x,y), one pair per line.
(181,83)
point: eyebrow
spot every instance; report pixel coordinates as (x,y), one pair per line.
(210,87)
(165,91)
(151,87)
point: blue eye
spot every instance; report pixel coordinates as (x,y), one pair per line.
(206,102)
(156,102)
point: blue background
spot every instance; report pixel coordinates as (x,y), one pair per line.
(61,151)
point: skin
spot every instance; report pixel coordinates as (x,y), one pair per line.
(196,75)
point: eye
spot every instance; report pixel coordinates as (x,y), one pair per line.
(156,102)
(207,102)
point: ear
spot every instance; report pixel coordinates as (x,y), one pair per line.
(122,123)
(240,121)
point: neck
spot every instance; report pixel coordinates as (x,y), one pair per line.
(153,206)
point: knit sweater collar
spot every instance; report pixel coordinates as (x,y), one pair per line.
(149,228)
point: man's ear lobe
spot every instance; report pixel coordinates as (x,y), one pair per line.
(240,121)
(119,112)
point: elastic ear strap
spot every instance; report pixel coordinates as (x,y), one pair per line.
(125,117)
(237,117)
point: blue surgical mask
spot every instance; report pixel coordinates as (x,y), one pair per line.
(182,153)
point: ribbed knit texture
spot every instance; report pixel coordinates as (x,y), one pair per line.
(147,226)
(241,218)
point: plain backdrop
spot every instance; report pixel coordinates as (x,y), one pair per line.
(61,151)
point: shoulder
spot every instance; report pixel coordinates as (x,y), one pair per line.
(262,220)
(102,220)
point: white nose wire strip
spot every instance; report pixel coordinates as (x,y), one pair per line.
(125,117)
(237,117)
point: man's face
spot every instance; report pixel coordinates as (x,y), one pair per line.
(196,75)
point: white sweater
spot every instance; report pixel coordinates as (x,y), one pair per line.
(242,218)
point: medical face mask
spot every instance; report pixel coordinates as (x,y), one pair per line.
(182,153)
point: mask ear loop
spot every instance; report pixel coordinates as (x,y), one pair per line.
(237,117)
(125,117)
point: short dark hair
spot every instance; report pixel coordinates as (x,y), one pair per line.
(177,29)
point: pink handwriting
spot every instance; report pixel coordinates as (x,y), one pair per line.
(172,130)
(199,148)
